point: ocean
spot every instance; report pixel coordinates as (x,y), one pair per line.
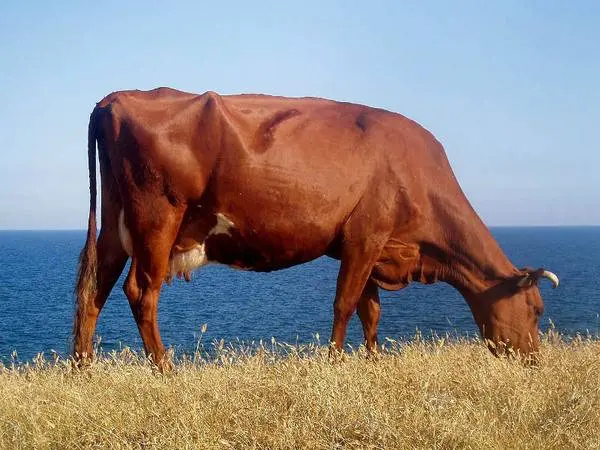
(37,274)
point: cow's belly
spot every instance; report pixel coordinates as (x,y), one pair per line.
(215,238)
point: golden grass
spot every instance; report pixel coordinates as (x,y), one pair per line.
(423,394)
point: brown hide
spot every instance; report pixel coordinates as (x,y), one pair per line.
(293,179)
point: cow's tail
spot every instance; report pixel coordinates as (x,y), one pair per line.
(88,261)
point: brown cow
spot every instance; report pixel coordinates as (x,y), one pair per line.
(263,183)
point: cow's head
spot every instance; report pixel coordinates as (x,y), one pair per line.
(508,313)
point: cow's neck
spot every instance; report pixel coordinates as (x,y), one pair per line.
(464,253)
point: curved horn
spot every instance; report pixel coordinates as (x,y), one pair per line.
(552,277)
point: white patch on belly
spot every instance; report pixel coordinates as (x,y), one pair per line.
(222,227)
(124,234)
(181,263)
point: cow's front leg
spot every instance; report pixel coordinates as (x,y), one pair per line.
(355,270)
(369,311)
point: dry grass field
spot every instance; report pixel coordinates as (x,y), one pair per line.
(421,394)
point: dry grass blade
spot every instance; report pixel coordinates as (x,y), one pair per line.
(424,394)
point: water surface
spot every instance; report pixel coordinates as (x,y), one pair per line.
(37,274)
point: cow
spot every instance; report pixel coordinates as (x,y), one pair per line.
(263,183)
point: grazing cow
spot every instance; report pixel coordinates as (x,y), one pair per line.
(263,183)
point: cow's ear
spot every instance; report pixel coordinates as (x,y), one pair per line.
(526,280)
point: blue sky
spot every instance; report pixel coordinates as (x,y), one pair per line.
(512,88)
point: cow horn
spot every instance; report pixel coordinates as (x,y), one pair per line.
(534,276)
(551,276)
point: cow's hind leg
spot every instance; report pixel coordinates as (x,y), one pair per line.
(152,243)
(111,260)
(369,311)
